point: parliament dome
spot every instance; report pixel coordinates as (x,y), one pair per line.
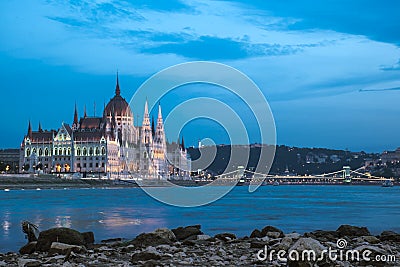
(118,104)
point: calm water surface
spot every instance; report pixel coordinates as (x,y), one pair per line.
(125,213)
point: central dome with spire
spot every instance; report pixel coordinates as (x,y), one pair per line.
(118,105)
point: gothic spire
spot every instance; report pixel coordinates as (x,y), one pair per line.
(153,128)
(117,89)
(146,118)
(40,128)
(85,114)
(183,144)
(159,112)
(76,115)
(29,130)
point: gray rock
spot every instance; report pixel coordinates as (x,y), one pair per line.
(368,238)
(306,244)
(62,235)
(269,228)
(257,244)
(243,258)
(203,237)
(215,258)
(256,234)
(63,249)
(28,248)
(182,233)
(293,235)
(88,237)
(390,236)
(349,230)
(144,256)
(165,233)
(225,236)
(149,239)
(29,263)
(285,243)
(274,234)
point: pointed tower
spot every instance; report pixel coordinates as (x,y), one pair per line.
(30,130)
(75,124)
(84,113)
(147,138)
(117,89)
(183,144)
(40,128)
(160,135)
(160,147)
(153,127)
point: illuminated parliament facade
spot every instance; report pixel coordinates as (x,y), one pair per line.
(109,145)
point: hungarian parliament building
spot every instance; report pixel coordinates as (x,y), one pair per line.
(110,146)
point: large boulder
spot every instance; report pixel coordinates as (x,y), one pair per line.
(256,234)
(182,233)
(63,249)
(88,237)
(62,235)
(306,250)
(165,233)
(390,236)
(351,231)
(323,236)
(29,263)
(225,236)
(149,239)
(144,256)
(268,230)
(28,248)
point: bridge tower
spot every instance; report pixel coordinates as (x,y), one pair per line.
(346,174)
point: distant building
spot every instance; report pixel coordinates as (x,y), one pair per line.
(391,156)
(9,159)
(109,145)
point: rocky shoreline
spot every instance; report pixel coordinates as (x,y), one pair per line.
(189,246)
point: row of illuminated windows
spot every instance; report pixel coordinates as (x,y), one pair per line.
(66,151)
(90,151)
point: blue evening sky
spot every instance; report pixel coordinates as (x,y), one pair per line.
(329,69)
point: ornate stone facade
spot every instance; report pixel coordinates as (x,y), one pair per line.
(110,146)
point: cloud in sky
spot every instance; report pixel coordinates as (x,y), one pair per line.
(292,50)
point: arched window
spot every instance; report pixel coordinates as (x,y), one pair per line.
(46,151)
(65,151)
(103,150)
(97,151)
(84,151)
(28,152)
(56,151)
(69,151)
(40,152)
(78,151)
(91,151)
(34,150)
(59,151)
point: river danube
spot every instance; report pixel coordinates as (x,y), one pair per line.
(125,213)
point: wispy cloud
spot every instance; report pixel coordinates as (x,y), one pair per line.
(144,37)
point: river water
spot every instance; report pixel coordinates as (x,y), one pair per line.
(125,213)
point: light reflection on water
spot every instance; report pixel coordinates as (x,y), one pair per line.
(6,224)
(63,221)
(129,212)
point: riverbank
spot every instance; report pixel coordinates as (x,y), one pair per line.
(53,182)
(189,246)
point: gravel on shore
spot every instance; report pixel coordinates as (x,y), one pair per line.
(189,246)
